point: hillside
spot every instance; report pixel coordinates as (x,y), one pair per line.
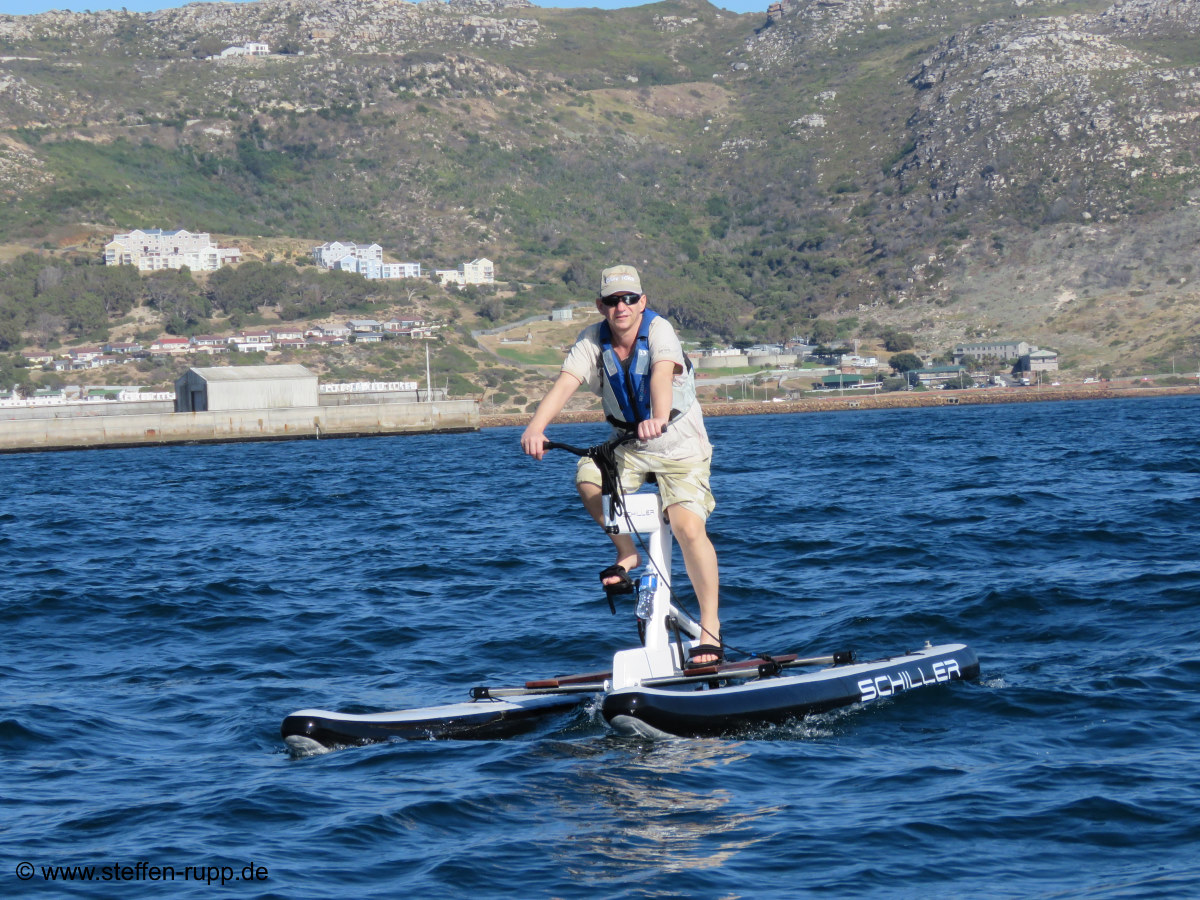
(958,170)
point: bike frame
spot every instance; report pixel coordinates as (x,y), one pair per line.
(665,625)
(667,631)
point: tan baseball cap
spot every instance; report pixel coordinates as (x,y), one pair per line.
(620,280)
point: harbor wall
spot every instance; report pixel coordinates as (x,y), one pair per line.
(138,407)
(238,425)
(87,409)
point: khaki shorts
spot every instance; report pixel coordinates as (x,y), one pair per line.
(682,482)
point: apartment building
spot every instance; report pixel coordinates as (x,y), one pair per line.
(153,249)
(363,259)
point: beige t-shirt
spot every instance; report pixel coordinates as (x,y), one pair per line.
(685,437)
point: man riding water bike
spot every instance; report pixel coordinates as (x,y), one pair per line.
(633,360)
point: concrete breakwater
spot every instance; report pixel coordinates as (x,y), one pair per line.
(895,400)
(285,423)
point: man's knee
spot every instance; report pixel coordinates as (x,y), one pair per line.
(587,490)
(686,525)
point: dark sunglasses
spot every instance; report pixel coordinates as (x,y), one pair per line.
(627,299)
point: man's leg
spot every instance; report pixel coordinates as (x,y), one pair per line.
(700,559)
(627,554)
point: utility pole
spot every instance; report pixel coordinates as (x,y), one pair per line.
(428,383)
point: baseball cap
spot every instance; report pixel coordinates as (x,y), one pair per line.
(620,280)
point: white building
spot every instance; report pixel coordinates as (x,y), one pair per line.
(252,48)
(859,362)
(478,271)
(330,253)
(329,331)
(363,259)
(153,249)
(401,270)
(170,346)
(247,341)
(997,350)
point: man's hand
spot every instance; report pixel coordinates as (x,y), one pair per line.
(648,429)
(533,442)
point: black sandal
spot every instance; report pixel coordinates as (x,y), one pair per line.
(705,650)
(624,584)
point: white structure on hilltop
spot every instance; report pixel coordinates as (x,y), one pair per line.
(477,271)
(364,259)
(153,249)
(252,48)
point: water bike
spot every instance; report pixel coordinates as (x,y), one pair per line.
(652,690)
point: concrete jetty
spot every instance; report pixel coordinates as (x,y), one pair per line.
(287,423)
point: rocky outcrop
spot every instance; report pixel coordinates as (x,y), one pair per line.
(297,25)
(19,167)
(1060,104)
(323,55)
(1069,109)
(1143,18)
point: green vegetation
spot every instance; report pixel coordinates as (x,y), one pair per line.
(50,300)
(905,362)
(531,357)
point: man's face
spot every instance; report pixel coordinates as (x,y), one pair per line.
(621,310)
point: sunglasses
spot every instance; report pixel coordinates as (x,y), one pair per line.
(627,299)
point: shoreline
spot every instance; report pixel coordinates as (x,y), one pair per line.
(894,400)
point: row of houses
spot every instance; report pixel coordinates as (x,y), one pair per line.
(153,249)
(362,331)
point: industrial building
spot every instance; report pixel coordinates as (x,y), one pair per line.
(219,388)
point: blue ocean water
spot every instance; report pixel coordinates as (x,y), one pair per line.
(162,609)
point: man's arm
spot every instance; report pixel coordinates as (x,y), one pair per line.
(533,440)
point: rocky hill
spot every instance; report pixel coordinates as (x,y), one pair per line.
(960,170)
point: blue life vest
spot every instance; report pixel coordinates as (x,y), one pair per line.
(630,384)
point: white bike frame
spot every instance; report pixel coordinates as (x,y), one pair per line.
(643,518)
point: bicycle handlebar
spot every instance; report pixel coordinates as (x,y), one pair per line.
(591,452)
(596,449)
(556,445)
